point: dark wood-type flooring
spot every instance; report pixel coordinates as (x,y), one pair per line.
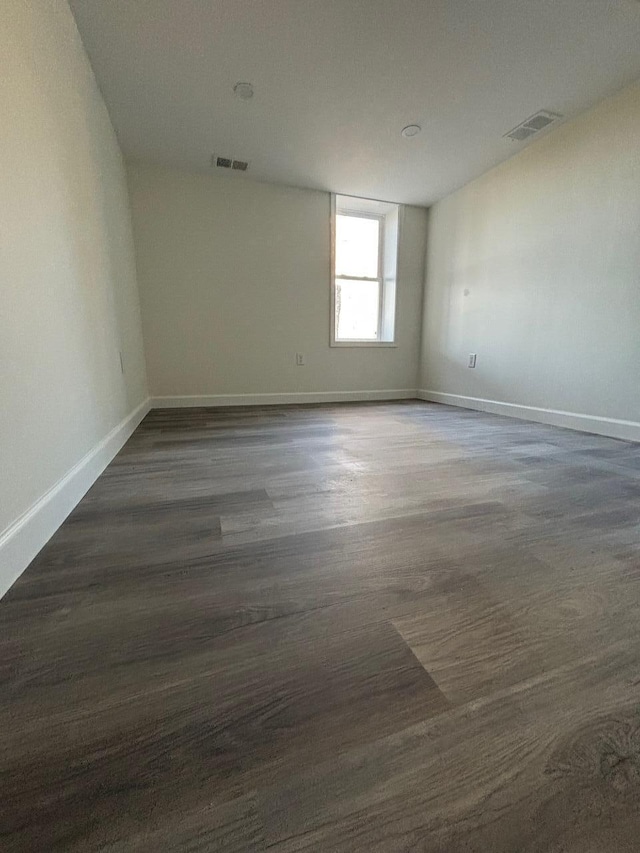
(378,627)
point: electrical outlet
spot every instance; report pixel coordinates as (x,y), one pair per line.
(300,359)
(472,359)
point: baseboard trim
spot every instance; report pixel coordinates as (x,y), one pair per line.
(285,398)
(612,427)
(28,534)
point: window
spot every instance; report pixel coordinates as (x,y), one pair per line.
(365,248)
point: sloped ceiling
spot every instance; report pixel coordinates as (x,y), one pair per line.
(336,80)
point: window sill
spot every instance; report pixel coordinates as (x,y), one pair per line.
(376,344)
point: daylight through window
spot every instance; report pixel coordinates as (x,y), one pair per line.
(365,237)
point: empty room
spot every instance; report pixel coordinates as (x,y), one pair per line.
(320,426)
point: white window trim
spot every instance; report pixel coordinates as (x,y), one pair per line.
(355,342)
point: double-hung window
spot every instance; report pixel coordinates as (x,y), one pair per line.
(365,248)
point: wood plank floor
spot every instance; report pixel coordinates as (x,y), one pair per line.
(378,627)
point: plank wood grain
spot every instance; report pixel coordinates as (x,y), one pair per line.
(381,627)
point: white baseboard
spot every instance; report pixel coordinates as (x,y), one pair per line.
(613,427)
(28,534)
(286,398)
(23,539)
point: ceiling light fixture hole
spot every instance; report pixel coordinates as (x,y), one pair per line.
(244,91)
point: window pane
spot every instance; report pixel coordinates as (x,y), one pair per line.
(357,246)
(357,306)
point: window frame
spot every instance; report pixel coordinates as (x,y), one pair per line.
(360,214)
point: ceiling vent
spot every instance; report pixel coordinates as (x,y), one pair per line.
(228,163)
(534,124)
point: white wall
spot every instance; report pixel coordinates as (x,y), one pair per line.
(536,267)
(234,280)
(67,274)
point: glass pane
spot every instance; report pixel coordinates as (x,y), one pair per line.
(357,306)
(357,246)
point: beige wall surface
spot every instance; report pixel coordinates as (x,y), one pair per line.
(67,271)
(234,280)
(536,268)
